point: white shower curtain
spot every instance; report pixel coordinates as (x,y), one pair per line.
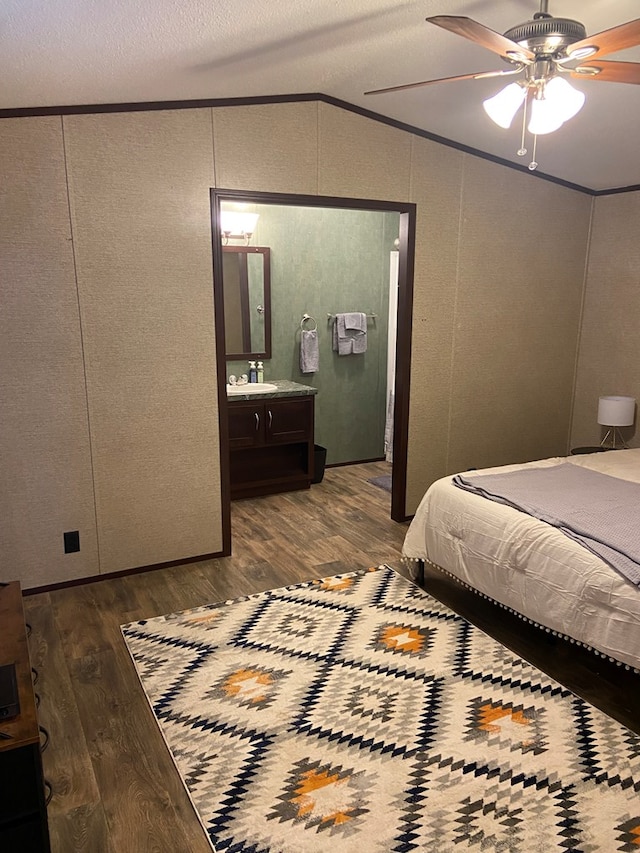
(391,354)
(388,429)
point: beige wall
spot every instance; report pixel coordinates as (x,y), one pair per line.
(110,422)
(139,195)
(608,361)
(520,282)
(499,277)
(499,281)
(46,483)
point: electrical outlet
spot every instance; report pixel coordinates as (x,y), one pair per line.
(71,541)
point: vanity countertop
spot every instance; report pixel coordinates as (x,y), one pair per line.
(285,388)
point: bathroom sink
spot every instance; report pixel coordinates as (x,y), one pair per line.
(252,388)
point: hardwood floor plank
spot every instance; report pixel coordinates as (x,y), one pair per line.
(177,588)
(145,803)
(67,766)
(82,625)
(81,830)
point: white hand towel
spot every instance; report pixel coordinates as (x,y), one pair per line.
(309,352)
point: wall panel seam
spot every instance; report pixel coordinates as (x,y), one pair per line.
(454,314)
(81,333)
(583,299)
(214,159)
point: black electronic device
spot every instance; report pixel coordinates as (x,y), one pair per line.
(9,699)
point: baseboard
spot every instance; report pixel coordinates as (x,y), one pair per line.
(35,590)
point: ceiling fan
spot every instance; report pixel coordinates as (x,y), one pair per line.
(543,51)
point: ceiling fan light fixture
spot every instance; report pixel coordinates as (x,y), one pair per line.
(501,108)
(558,102)
(543,50)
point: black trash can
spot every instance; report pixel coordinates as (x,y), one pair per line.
(319,461)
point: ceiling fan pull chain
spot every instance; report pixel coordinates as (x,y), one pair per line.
(522,150)
(533,165)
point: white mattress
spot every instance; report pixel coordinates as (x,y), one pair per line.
(530,566)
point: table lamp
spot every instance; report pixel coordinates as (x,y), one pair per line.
(615,412)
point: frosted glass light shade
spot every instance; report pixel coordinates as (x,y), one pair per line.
(616,411)
(543,118)
(559,102)
(238,223)
(502,107)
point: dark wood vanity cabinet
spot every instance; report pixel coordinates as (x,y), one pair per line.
(270,445)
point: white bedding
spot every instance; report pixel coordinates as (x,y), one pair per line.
(530,566)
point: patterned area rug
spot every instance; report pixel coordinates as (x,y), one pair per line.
(357,713)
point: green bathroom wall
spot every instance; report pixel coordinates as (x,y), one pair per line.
(326,261)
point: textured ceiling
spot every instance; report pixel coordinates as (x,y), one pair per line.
(119,51)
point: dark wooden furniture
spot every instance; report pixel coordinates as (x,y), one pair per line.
(23,810)
(270,445)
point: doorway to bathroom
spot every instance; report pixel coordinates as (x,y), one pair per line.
(331,256)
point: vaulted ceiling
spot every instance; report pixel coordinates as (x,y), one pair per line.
(122,51)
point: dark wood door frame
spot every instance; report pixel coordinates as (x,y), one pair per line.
(407,211)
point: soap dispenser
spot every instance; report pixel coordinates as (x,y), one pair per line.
(253,373)
(260,372)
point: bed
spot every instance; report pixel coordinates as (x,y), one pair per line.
(529,566)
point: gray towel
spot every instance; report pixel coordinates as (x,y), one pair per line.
(350,333)
(355,320)
(309,354)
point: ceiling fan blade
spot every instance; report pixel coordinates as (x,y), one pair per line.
(478,76)
(609,41)
(609,72)
(478,33)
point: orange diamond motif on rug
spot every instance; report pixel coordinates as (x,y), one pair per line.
(359,713)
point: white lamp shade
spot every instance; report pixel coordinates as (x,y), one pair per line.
(616,411)
(502,107)
(559,102)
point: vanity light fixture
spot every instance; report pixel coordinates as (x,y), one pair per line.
(237,225)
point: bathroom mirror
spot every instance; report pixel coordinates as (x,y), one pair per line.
(246,286)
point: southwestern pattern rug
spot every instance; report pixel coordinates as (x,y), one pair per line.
(357,713)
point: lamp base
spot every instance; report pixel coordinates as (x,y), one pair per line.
(614,434)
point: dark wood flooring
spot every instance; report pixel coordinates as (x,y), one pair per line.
(115,789)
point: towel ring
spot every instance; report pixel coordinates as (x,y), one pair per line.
(306,317)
